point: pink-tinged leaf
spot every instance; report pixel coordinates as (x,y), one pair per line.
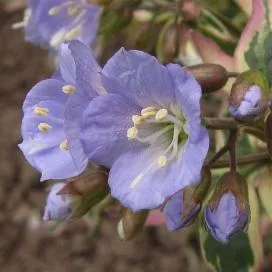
(155,218)
(197,48)
(246,6)
(255,23)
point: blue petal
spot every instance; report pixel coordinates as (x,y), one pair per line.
(155,184)
(226,220)
(50,89)
(139,77)
(104,128)
(174,209)
(187,97)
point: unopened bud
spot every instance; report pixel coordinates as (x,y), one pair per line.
(268,133)
(131,223)
(184,206)
(190,10)
(247,96)
(227,212)
(91,186)
(59,207)
(211,77)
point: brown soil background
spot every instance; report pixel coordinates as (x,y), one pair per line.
(26,243)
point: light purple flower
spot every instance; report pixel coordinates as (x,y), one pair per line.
(227,219)
(177,214)
(50,23)
(52,113)
(248,105)
(146,129)
(59,206)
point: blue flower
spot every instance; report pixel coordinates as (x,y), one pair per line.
(227,219)
(147,129)
(59,206)
(52,112)
(249,103)
(50,23)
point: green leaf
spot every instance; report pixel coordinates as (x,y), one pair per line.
(259,32)
(243,253)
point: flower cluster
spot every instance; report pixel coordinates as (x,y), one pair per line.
(135,116)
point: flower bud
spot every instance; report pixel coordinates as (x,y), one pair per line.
(211,77)
(90,188)
(131,223)
(247,94)
(59,207)
(184,206)
(227,212)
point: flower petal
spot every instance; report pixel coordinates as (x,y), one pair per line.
(104,128)
(138,183)
(139,77)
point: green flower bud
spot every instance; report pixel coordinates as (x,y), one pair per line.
(131,223)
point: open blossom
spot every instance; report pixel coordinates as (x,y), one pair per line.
(50,23)
(146,129)
(52,112)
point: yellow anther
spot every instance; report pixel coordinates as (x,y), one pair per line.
(162,161)
(149,114)
(54,10)
(64,145)
(73,33)
(137,119)
(132,133)
(162,113)
(40,111)
(68,89)
(148,109)
(44,127)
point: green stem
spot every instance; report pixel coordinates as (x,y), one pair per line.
(261,157)
(219,123)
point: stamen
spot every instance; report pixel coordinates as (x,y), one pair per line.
(68,89)
(73,33)
(149,114)
(152,138)
(137,119)
(64,145)
(162,161)
(27,15)
(40,111)
(136,181)
(58,38)
(44,127)
(132,133)
(148,109)
(161,114)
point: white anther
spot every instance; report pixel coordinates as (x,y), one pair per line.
(149,114)
(148,109)
(44,127)
(132,133)
(73,33)
(162,161)
(68,89)
(137,119)
(54,10)
(161,114)
(64,145)
(58,38)
(40,111)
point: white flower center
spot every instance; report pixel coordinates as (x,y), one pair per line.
(159,128)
